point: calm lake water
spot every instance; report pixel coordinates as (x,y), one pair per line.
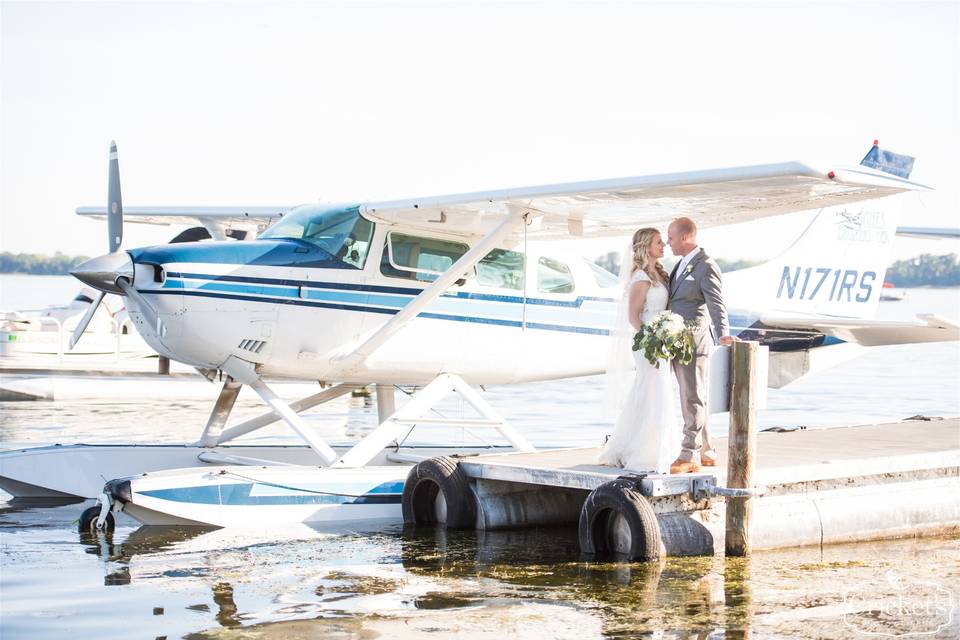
(306,583)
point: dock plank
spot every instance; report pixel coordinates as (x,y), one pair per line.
(788,457)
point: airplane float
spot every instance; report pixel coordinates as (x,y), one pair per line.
(447,292)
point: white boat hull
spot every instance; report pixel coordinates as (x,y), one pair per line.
(81,470)
(242,496)
(26,344)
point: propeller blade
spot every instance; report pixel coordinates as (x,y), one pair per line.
(85,320)
(141,304)
(114,201)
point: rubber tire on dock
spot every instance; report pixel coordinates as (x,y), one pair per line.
(616,519)
(434,480)
(88,521)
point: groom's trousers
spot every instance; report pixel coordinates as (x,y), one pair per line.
(694,393)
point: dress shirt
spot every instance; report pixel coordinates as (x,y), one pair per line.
(685,261)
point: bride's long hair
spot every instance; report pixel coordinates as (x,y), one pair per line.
(642,239)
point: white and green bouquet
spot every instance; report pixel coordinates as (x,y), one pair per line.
(666,337)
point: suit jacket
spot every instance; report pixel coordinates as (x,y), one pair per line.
(696,295)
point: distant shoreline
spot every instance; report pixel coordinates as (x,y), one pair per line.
(924,271)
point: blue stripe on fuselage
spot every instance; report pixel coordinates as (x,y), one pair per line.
(344,307)
(494,309)
(243,494)
(364,298)
(313,284)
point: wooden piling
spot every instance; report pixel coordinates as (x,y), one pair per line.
(163,365)
(742,445)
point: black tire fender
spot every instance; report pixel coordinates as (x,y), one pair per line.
(432,479)
(605,512)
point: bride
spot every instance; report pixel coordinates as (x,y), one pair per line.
(646,437)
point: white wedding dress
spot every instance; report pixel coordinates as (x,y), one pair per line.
(647,437)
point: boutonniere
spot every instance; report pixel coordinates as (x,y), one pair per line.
(689,269)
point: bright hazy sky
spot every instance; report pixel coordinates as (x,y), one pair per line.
(284,103)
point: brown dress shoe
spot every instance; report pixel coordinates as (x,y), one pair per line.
(684,466)
(708,462)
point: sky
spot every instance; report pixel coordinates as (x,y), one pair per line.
(249,103)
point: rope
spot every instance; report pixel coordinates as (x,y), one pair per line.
(284,486)
(523,321)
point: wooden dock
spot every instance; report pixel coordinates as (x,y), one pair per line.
(813,486)
(783,458)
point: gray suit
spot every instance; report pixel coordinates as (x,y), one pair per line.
(696,295)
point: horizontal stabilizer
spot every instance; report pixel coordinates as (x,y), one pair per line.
(236,216)
(928,233)
(872,333)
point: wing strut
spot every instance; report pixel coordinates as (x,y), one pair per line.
(414,413)
(355,359)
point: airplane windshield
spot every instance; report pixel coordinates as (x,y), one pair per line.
(340,232)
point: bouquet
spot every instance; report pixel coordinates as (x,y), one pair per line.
(666,337)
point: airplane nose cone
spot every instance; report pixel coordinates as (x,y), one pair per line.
(103,272)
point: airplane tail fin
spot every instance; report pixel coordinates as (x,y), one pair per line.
(837,265)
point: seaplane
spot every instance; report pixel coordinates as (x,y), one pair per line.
(447,293)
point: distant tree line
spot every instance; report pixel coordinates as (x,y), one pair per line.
(925,271)
(611,262)
(38,263)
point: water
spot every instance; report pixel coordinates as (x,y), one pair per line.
(20,292)
(156,582)
(302,582)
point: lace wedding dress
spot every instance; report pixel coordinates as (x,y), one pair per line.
(646,437)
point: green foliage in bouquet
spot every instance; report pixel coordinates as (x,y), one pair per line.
(665,338)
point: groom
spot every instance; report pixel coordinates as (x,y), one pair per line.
(695,294)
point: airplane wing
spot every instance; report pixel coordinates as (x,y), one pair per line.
(616,207)
(216,219)
(612,207)
(870,333)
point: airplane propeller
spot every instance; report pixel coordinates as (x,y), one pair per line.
(113,272)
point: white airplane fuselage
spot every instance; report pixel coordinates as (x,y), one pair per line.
(281,305)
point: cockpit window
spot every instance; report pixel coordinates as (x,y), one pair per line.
(340,232)
(554,276)
(501,268)
(418,258)
(604,278)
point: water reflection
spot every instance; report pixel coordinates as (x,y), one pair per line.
(226,607)
(738,599)
(447,570)
(34,511)
(356,579)
(143,541)
(675,594)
